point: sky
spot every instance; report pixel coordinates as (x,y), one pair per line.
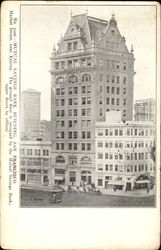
(42,26)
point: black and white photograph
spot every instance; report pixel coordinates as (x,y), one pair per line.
(80,125)
(88,106)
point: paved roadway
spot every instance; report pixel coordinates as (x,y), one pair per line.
(41,199)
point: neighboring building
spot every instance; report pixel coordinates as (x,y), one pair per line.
(144,110)
(30,114)
(45,130)
(35,161)
(92,72)
(124,153)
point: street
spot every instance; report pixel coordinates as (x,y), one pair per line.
(41,199)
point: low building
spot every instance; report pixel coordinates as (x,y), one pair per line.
(124,153)
(35,161)
(144,110)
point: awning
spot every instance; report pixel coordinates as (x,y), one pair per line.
(59,177)
(116,182)
(143,181)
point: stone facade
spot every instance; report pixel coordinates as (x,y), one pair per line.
(92,73)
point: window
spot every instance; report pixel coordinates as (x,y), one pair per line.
(116,168)
(100,100)
(62,91)
(69,46)
(70,135)
(83,146)
(57,146)
(108,78)
(62,65)
(75,112)
(100,132)
(70,89)
(62,102)
(117,101)
(117,79)
(124,80)
(124,66)
(107,89)
(124,103)
(88,134)
(106,155)
(88,146)
(70,64)
(89,61)
(113,101)
(83,62)
(107,100)
(45,152)
(118,65)
(83,100)
(100,155)
(57,91)
(70,112)
(83,89)
(70,123)
(74,123)
(62,146)
(88,123)
(72,176)
(37,152)
(124,91)
(57,65)
(75,90)
(100,167)
(62,113)
(106,167)
(70,101)
(75,45)
(113,90)
(83,112)
(88,89)
(70,146)
(88,111)
(75,146)
(75,63)
(73,79)
(86,78)
(58,113)
(60,80)
(60,159)
(100,182)
(100,144)
(88,100)
(113,79)
(117,90)
(83,135)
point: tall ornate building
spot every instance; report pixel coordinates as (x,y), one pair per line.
(92,73)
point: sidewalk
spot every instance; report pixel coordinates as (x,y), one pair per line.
(135,193)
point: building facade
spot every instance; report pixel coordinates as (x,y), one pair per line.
(144,110)
(124,154)
(35,161)
(45,130)
(30,114)
(92,73)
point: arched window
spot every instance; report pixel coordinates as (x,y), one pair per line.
(60,80)
(85,160)
(73,79)
(60,159)
(86,78)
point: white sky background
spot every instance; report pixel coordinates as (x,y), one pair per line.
(42,26)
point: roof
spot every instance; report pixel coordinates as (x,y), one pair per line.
(31,91)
